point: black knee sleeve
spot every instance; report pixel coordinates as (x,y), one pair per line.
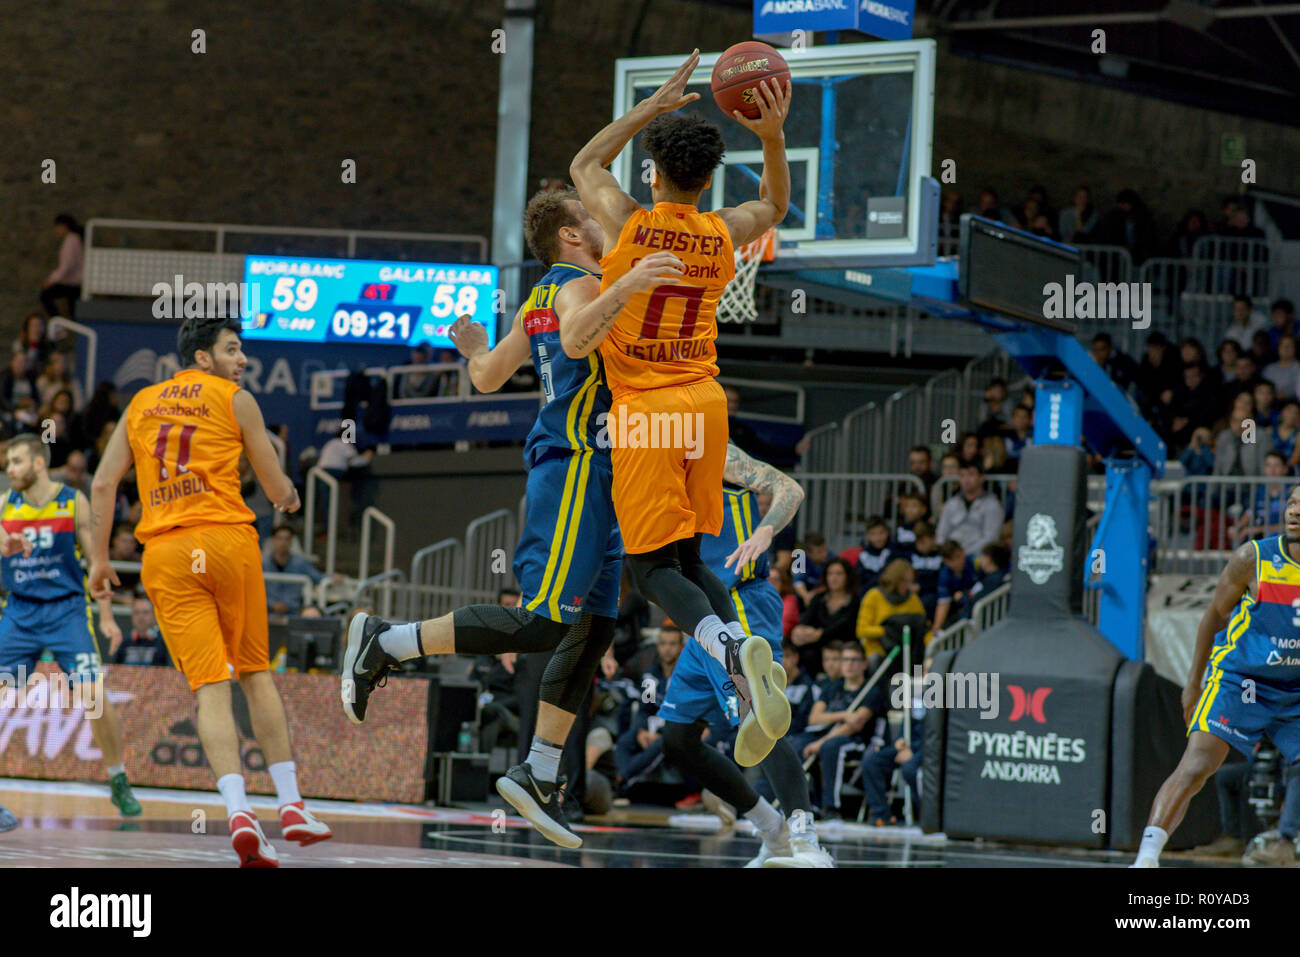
(572,668)
(494,629)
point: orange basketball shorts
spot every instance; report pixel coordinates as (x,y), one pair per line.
(209,596)
(668,450)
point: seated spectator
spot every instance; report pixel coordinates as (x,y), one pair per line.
(828,670)
(144,644)
(991,208)
(1266,513)
(1077,220)
(807,566)
(1198,457)
(919,463)
(16,383)
(285,598)
(1191,227)
(1018,437)
(639,750)
(832,614)
(1282,313)
(878,766)
(993,454)
(1121,369)
(1242,444)
(33,345)
(956,579)
(1129,224)
(970,448)
(73,473)
(1244,323)
(1285,372)
(1159,373)
(418,385)
(992,412)
(498,700)
(893,595)
(779,578)
(1284,432)
(1226,371)
(55,378)
(1190,349)
(1265,404)
(1194,405)
(926,562)
(1262,351)
(800,689)
(992,568)
(973,518)
(123,547)
(875,554)
(949,468)
(912,511)
(852,730)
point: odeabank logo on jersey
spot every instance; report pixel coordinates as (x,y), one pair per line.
(1021,756)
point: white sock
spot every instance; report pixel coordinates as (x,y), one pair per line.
(712,635)
(402,641)
(734,629)
(544,759)
(1153,842)
(803,827)
(766,818)
(116,769)
(285,777)
(232,792)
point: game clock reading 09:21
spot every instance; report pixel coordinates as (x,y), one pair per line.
(328,300)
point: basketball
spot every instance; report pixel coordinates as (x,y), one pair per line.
(739,71)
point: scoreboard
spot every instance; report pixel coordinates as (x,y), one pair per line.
(364,301)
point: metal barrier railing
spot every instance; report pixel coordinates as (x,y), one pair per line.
(1198,521)
(435,583)
(369,517)
(489,540)
(92,347)
(377,592)
(822,449)
(838,505)
(984,614)
(315,475)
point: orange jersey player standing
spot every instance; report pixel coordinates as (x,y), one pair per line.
(202,565)
(668,418)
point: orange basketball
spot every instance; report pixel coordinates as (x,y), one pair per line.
(738,72)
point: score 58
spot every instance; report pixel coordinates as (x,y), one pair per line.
(449,298)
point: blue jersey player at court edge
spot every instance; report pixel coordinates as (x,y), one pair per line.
(701,693)
(569,559)
(1244,680)
(48,604)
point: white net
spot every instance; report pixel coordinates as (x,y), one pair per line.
(737,302)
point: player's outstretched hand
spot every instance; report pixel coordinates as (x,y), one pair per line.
(112,632)
(13,543)
(657,269)
(672,95)
(773,108)
(751,548)
(291,504)
(102,578)
(469,336)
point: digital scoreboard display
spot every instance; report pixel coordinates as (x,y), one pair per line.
(357,300)
(1004,270)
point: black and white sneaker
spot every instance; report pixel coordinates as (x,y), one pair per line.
(365,664)
(749,666)
(540,803)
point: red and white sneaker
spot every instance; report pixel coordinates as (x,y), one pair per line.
(250,843)
(298,824)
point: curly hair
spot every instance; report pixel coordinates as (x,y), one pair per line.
(547,212)
(686,149)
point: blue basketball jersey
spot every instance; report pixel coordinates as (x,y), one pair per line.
(739,519)
(53,569)
(1262,639)
(577,398)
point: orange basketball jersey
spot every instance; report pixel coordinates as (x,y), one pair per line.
(186,444)
(666,336)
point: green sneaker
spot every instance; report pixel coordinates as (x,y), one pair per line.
(122,797)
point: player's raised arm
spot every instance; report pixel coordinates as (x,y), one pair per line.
(608,204)
(787,495)
(114,464)
(1237,576)
(749,221)
(586,317)
(490,368)
(261,453)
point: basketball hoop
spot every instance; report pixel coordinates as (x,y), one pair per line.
(737,302)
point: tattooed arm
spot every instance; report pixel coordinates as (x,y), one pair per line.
(586,317)
(748,472)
